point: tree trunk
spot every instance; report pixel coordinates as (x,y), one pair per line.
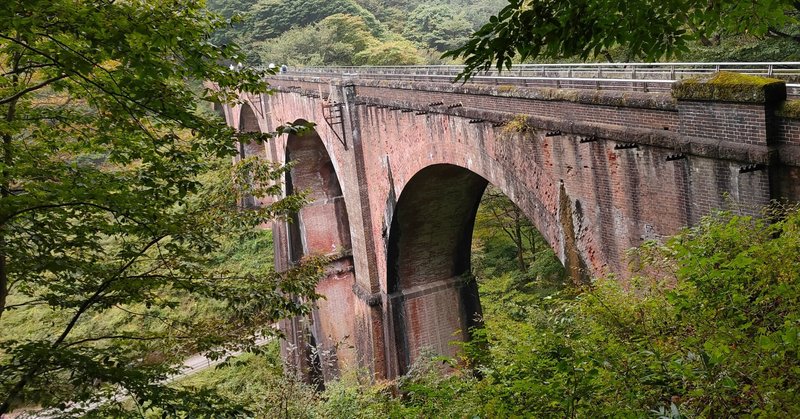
(518,241)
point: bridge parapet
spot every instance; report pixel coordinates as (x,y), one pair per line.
(599,76)
(675,120)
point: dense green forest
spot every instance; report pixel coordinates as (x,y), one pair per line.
(351,32)
(397,32)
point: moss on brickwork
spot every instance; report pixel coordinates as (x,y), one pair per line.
(730,87)
(789,109)
(519,123)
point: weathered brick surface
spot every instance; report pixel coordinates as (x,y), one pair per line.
(432,313)
(333,321)
(409,183)
(649,118)
(734,122)
(789,130)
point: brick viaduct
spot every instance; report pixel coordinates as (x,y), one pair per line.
(396,171)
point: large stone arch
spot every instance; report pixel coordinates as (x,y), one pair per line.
(322,228)
(433,297)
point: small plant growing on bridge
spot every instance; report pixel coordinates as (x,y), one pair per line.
(517,124)
(506,88)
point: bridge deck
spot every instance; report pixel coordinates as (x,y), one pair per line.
(646,77)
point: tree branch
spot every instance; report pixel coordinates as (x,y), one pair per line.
(781,34)
(35,87)
(34,369)
(27,303)
(7,218)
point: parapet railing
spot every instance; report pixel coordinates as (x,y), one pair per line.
(607,76)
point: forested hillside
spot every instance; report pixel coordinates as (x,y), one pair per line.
(351,32)
(403,32)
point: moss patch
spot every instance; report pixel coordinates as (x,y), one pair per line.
(789,109)
(506,88)
(519,123)
(730,87)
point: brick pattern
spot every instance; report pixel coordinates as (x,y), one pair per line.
(734,122)
(608,199)
(788,130)
(431,319)
(612,115)
(333,331)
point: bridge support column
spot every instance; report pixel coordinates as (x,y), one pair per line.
(425,318)
(370,299)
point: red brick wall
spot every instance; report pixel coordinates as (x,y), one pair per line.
(736,122)
(593,113)
(788,130)
(592,201)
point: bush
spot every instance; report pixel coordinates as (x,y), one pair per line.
(708,327)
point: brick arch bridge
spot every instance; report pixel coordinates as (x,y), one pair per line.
(396,168)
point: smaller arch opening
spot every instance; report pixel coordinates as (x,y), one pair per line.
(248,123)
(321,228)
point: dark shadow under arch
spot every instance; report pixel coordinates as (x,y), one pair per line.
(432,294)
(321,228)
(248,122)
(313,173)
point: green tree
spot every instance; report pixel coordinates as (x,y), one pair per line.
(115,191)
(397,52)
(437,26)
(333,41)
(272,17)
(647,29)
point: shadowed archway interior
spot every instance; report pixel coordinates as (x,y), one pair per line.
(433,298)
(248,122)
(321,228)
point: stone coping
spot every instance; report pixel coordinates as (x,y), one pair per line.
(730,87)
(645,100)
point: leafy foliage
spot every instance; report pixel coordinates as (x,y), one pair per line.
(399,52)
(648,30)
(336,40)
(272,17)
(437,26)
(398,33)
(257,380)
(115,193)
(707,327)
(507,245)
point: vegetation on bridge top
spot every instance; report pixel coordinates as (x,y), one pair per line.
(789,109)
(731,87)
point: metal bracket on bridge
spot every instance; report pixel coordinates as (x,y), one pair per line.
(752,168)
(625,146)
(589,139)
(673,157)
(332,113)
(555,133)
